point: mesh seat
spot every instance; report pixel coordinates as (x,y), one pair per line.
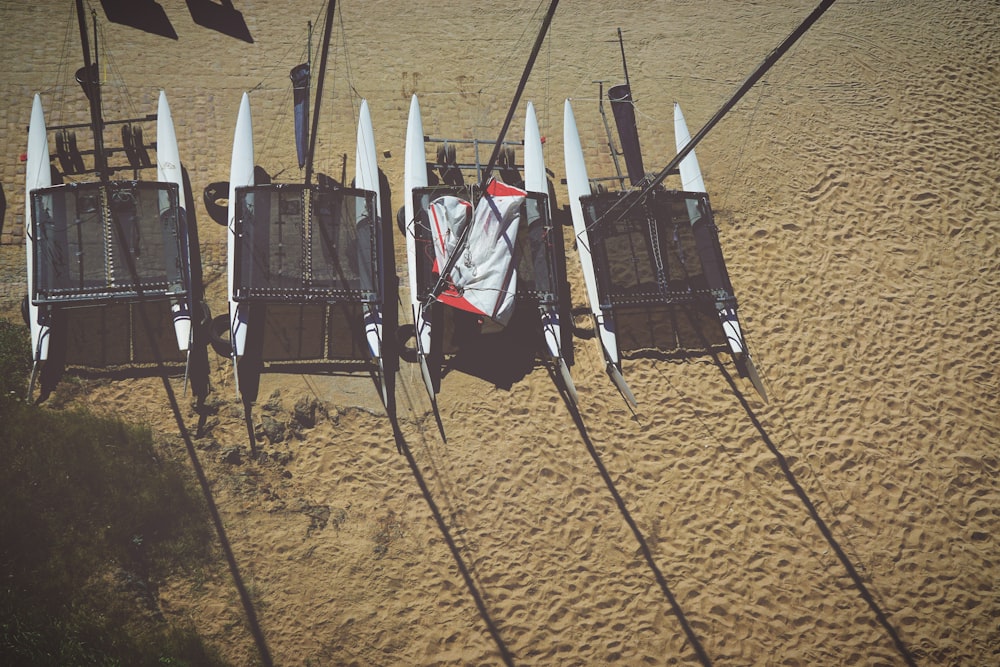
(299,244)
(103,242)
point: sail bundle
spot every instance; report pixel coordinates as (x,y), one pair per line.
(483,279)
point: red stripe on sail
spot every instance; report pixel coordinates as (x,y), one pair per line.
(499,189)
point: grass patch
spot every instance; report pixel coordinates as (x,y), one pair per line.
(92,522)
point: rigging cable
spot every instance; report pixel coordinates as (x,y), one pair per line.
(488,171)
(513,49)
(275,125)
(747,84)
(746,138)
(61,73)
(327,29)
(355,110)
(110,62)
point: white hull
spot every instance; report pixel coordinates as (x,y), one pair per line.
(578,184)
(534,160)
(692,181)
(415,176)
(240,174)
(535,181)
(38,174)
(168,170)
(366,178)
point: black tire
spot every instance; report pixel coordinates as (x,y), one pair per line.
(404,333)
(401,220)
(218,328)
(214,194)
(205,319)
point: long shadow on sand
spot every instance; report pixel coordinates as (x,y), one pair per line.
(703,346)
(639,537)
(161,366)
(817,519)
(234,570)
(456,553)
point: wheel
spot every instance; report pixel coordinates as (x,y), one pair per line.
(218,336)
(216,199)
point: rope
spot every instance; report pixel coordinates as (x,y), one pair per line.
(64,57)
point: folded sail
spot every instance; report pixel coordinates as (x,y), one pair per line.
(484,279)
(628,132)
(300,95)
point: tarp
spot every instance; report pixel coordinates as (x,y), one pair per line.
(484,279)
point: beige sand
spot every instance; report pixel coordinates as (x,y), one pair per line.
(853,520)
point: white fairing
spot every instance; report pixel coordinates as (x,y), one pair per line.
(535,181)
(168,170)
(38,174)
(578,185)
(415,176)
(240,174)
(534,161)
(366,178)
(366,162)
(692,181)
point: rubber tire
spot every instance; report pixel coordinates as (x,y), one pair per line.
(212,193)
(401,220)
(222,346)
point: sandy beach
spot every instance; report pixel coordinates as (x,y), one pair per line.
(853,519)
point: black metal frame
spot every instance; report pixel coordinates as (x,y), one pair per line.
(311,281)
(674,257)
(329,278)
(117,221)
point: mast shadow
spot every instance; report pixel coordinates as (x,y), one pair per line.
(234,570)
(697,328)
(639,537)
(810,507)
(3,207)
(477,597)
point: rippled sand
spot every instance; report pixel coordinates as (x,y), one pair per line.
(852,520)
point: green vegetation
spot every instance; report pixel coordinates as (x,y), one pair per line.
(92,522)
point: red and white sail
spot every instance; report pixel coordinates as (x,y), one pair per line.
(484,278)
